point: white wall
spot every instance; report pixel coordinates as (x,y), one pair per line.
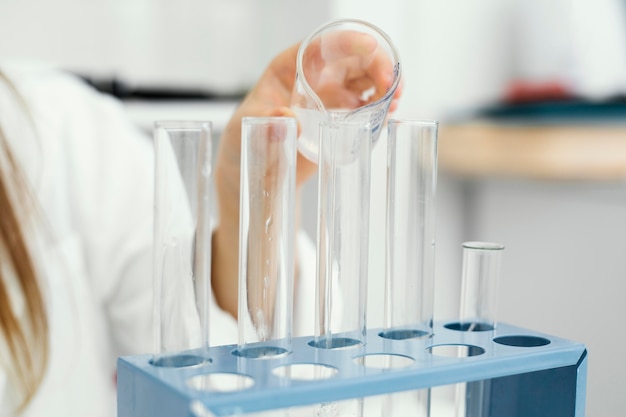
(451,59)
(218,44)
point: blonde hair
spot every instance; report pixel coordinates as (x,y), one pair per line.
(26,339)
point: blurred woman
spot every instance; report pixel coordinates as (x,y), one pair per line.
(76,203)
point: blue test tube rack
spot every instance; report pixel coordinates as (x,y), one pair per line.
(530,374)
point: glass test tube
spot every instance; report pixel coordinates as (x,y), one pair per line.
(182,241)
(266,244)
(479,286)
(479,294)
(410,244)
(343,233)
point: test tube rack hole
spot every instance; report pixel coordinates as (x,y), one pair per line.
(518,362)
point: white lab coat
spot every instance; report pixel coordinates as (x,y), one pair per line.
(92,172)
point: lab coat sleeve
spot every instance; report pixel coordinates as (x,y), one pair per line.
(111,185)
(114,207)
(116,200)
(108,166)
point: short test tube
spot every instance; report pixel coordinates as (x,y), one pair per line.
(479,285)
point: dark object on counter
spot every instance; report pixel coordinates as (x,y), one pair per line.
(571,111)
(123,91)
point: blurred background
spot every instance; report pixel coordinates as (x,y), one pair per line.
(530,96)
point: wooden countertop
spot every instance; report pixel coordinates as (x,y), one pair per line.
(593,152)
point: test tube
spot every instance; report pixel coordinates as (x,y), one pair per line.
(479,286)
(410,232)
(182,242)
(410,245)
(343,233)
(266,244)
(479,294)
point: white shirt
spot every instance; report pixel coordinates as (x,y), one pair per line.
(86,162)
(92,171)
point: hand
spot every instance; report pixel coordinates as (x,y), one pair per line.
(271,96)
(348,69)
(354,65)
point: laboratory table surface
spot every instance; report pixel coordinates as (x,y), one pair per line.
(591,151)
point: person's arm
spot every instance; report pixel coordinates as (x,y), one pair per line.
(271,97)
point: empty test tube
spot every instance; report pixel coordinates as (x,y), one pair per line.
(343,233)
(410,231)
(182,241)
(410,245)
(479,295)
(266,230)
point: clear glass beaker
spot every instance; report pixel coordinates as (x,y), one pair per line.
(346,70)
(182,241)
(266,235)
(343,233)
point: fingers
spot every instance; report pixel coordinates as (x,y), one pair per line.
(347,69)
(281,72)
(304,168)
(335,46)
(285,111)
(381,72)
(339,96)
(395,101)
